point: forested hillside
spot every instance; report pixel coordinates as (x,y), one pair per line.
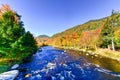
(101,33)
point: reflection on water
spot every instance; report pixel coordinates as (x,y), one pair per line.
(52,64)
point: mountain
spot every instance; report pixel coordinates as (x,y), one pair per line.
(42,40)
(43,36)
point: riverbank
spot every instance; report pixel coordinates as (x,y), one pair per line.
(102,52)
(7,62)
(109,53)
(101,57)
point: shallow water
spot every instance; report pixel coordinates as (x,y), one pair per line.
(53,64)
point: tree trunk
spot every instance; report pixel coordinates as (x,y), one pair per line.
(109,47)
(113,47)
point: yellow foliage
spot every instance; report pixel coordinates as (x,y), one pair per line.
(117,34)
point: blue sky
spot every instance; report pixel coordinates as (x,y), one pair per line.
(53,16)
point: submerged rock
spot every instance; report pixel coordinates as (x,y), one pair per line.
(22,69)
(38,76)
(39,50)
(62,78)
(53,78)
(10,75)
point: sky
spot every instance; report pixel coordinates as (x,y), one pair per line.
(53,16)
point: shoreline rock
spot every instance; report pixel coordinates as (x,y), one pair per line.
(9,75)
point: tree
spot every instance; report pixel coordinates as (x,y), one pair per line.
(11,26)
(117,38)
(12,32)
(109,29)
(26,42)
(114,22)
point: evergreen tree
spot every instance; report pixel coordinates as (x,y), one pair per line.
(26,43)
(10,29)
(12,32)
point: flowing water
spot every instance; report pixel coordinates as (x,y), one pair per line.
(53,64)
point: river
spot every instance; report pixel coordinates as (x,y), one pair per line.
(53,64)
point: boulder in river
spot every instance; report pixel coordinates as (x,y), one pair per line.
(28,75)
(10,75)
(65,51)
(15,66)
(51,65)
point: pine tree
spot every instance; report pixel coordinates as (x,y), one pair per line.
(11,27)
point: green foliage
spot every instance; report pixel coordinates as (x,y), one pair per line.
(106,41)
(117,37)
(25,42)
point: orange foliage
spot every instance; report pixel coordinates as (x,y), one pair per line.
(81,36)
(6,8)
(3,9)
(89,38)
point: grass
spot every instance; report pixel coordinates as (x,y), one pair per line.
(3,68)
(109,53)
(7,62)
